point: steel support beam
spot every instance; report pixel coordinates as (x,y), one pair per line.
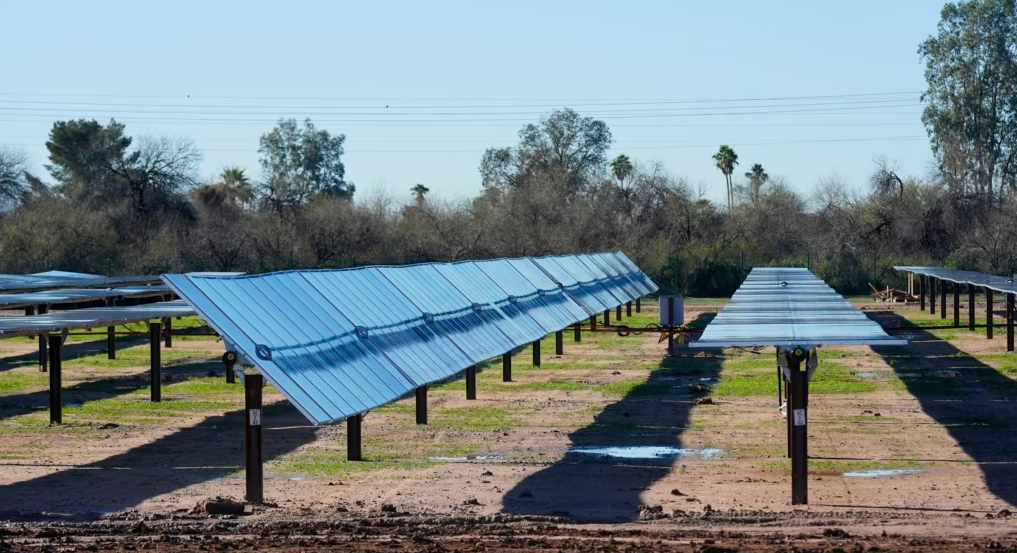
(942,300)
(639,305)
(921,290)
(607,317)
(628,309)
(421,393)
(932,296)
(353,438)
(536,353)
(56,393)
(1009,321)
(988,313)
(618,313)
(471,382)
(956,304)
(577,332)
(253,443)
(798,414)
(168,328)
(593,323)
(43,357)
(506,367)
(155,358)
(559,342)
(971,308)
(111,342)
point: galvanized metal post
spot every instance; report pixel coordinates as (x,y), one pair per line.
(787,411)
(252,405)
(617,313)
(932,296)
(506,367)
(421,393)
(471,382)
(1009,321)
(971,308)
(168,330)
(639,305)
(111,342)
(988,313)
(43,357)
(56,393)
(628,309)
(577,332)
(921,291)
(956,304)
(607,317)
(559,343)
(798,414)
(353,438)
(536,353)
(156,360)
(942,300)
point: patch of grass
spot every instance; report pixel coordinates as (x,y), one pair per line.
(378,453)
(832,467)
(12,382)
(757,377)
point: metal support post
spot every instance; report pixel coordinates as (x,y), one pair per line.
(607,317)
(167,324)
(617,313)
(1009,321)
(956,304)
(111,342)
(43,357)
(252,405)
(559,343)
(506,367)
(230,360)
(156,360)
(577,332)
(628,309)
(932,296)
(471,382)
(421,404)
(593,323)
(988,313)
(56,393)
(353,438)
(639,306)
(798,414)
(921,290)
(787,411)
(942,300)
(670,341)
(971,308)
(536,353)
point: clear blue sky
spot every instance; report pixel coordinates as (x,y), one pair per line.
(191,67)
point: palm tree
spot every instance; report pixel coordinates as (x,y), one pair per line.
(236,187)
(757,178)
(420,190)
(621,168)
(726,159)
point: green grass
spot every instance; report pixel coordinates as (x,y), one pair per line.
(756,376)
(825,466)
(378,453)
(13,382)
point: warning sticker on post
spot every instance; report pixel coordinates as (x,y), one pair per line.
(256,417)
(799,415)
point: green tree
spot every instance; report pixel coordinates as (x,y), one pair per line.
(971,100)
(419,191)
(233,188)
(621,168)
(13,178)
(301,162)
(564,150)
(757,178)
(726,159)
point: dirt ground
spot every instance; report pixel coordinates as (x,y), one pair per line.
(496,474)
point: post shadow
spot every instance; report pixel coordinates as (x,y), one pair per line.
(71,350)
(207,451)
(973,401)
(655,413)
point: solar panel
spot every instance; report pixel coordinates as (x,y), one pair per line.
(790,307)
(79,295)
(997,283)
(91,318)
(338,343)
(52,280)
(583,295)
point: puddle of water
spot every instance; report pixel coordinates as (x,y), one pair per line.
(468,458)
(296,478)
(647,452)
(873,473)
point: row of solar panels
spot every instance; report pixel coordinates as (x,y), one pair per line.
(1005,285)
(341,342)
(786,306)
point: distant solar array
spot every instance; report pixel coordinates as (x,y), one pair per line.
(80,295)
(790,307)
(337,343)
(52,280)
(93,317)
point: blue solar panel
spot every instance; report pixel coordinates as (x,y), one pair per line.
(534,291)
(582,295)
(511,318)
(618,284)
(635,272)
(598,287)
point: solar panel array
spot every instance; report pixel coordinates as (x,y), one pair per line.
(997,283)
(90,318)
(52,280)
(79,295)
(790,307)
(340,342)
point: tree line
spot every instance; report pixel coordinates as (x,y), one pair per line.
(115,204)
